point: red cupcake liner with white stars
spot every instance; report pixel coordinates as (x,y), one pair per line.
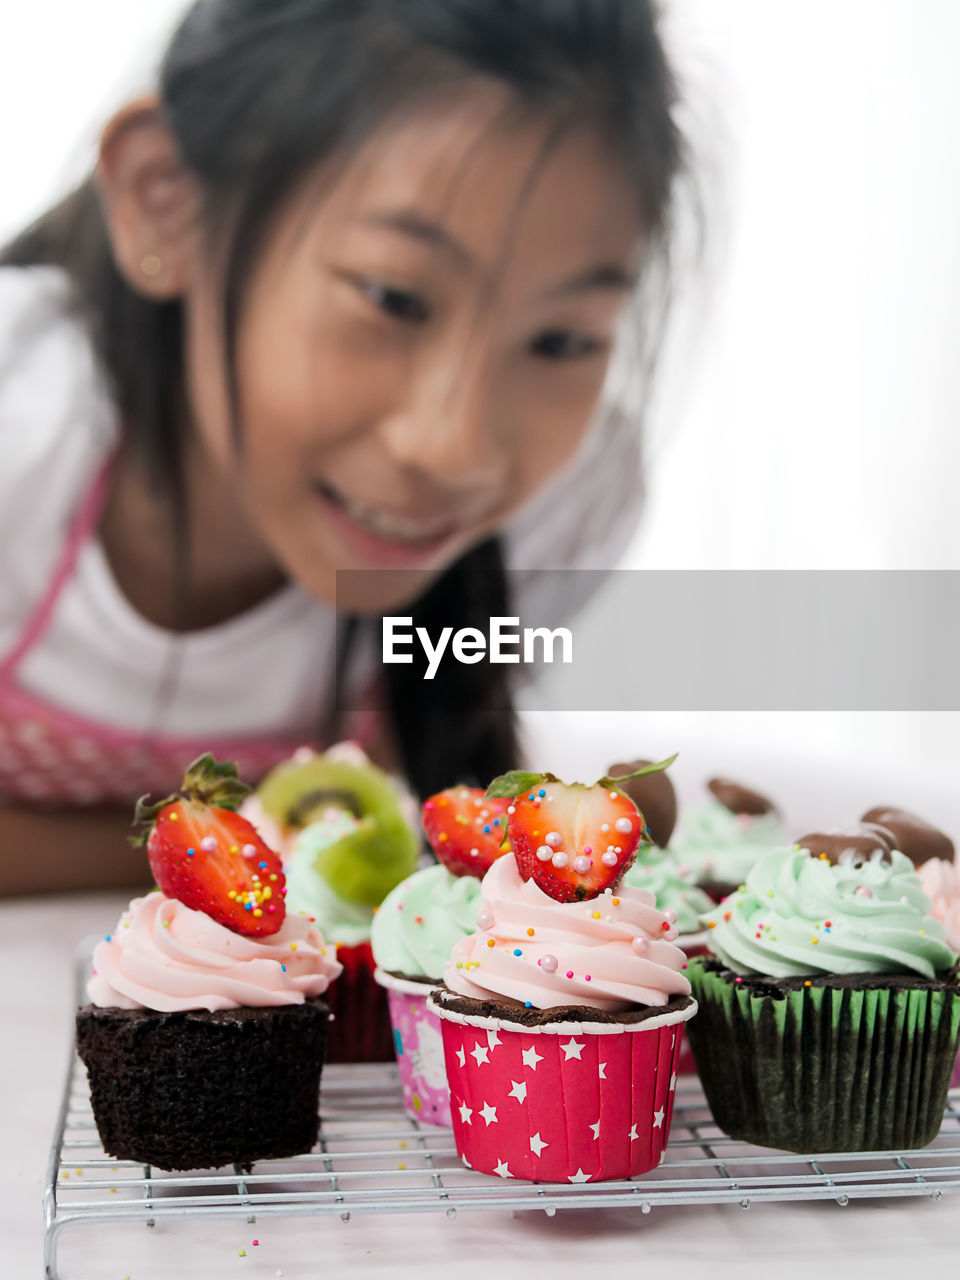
(565,1102)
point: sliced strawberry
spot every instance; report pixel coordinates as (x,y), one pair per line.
(466,831)
(209,858)
(573,840)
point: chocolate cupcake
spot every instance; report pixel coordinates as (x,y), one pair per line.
(204,1037)
(830,1006)
(203,1047)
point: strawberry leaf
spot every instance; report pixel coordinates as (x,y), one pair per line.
(515,782)
(659,767)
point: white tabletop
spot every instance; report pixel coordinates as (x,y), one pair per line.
(37,940)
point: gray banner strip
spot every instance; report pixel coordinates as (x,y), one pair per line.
(720,640)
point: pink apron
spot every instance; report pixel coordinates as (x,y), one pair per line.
(51,756)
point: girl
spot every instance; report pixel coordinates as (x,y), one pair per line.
(341,295)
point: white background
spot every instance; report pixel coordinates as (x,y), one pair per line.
(814,426)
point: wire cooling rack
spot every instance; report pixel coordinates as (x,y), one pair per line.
(372,1158)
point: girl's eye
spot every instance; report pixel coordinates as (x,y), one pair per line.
(396,303)
(563,344)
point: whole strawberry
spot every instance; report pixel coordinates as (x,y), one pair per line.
(467,831)
(573,840)
(209,858)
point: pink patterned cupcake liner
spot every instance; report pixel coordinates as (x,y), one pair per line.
(563,1102)
(418,1042)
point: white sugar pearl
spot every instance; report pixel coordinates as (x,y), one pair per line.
(670,934)
(624,826)
(549,964)
(544,853)
(554,838)
(640,945)
(511,808)
(208,844)
(582,863)
(605,826)
(609,859)
(670,915)
(484,918)
(249,850)
(560,859)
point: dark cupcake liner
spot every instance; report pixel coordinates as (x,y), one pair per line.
(856,1063)
(361,1030)
(198,1090)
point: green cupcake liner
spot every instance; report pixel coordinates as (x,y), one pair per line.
(824,1068)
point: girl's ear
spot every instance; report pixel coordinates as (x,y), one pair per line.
(151,203)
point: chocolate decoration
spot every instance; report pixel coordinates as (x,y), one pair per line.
(918,839)
(740,799)
(654,796)
(863,838)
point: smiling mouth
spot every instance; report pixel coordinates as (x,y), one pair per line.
(406,530)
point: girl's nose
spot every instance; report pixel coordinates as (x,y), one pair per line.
(451,427)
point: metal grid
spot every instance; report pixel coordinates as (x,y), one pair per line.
(372,1158)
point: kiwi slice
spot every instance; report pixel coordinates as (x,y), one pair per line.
(367,863)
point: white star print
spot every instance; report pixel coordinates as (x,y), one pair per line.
(465,1113)
(462,1056)
(673,1081)
(519,1090)
(537,1144)
(579,1176)
(492,1040)
(603,1071)
(595,1129)
(572,1049)
(531,1058)
(480,1053)
(502,1170)
(489,1114)
(633,1133)
(658,1118)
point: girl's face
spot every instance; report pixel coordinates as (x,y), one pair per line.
(422,346)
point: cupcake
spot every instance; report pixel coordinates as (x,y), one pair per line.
(829,1007)
(720,840)
(561,1012)
(416,928)
(204,1036)
(347,841)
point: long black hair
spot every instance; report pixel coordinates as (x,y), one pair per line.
(256,93)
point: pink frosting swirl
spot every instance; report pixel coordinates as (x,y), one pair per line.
(941,884)
(170,958)
(612,952)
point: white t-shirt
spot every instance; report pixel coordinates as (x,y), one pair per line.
(263,672)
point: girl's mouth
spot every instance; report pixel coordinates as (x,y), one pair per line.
(385,536)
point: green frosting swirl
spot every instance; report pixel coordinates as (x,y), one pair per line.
(714,844)
(338,918)
(799,915)
(659,871)
(419,921)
